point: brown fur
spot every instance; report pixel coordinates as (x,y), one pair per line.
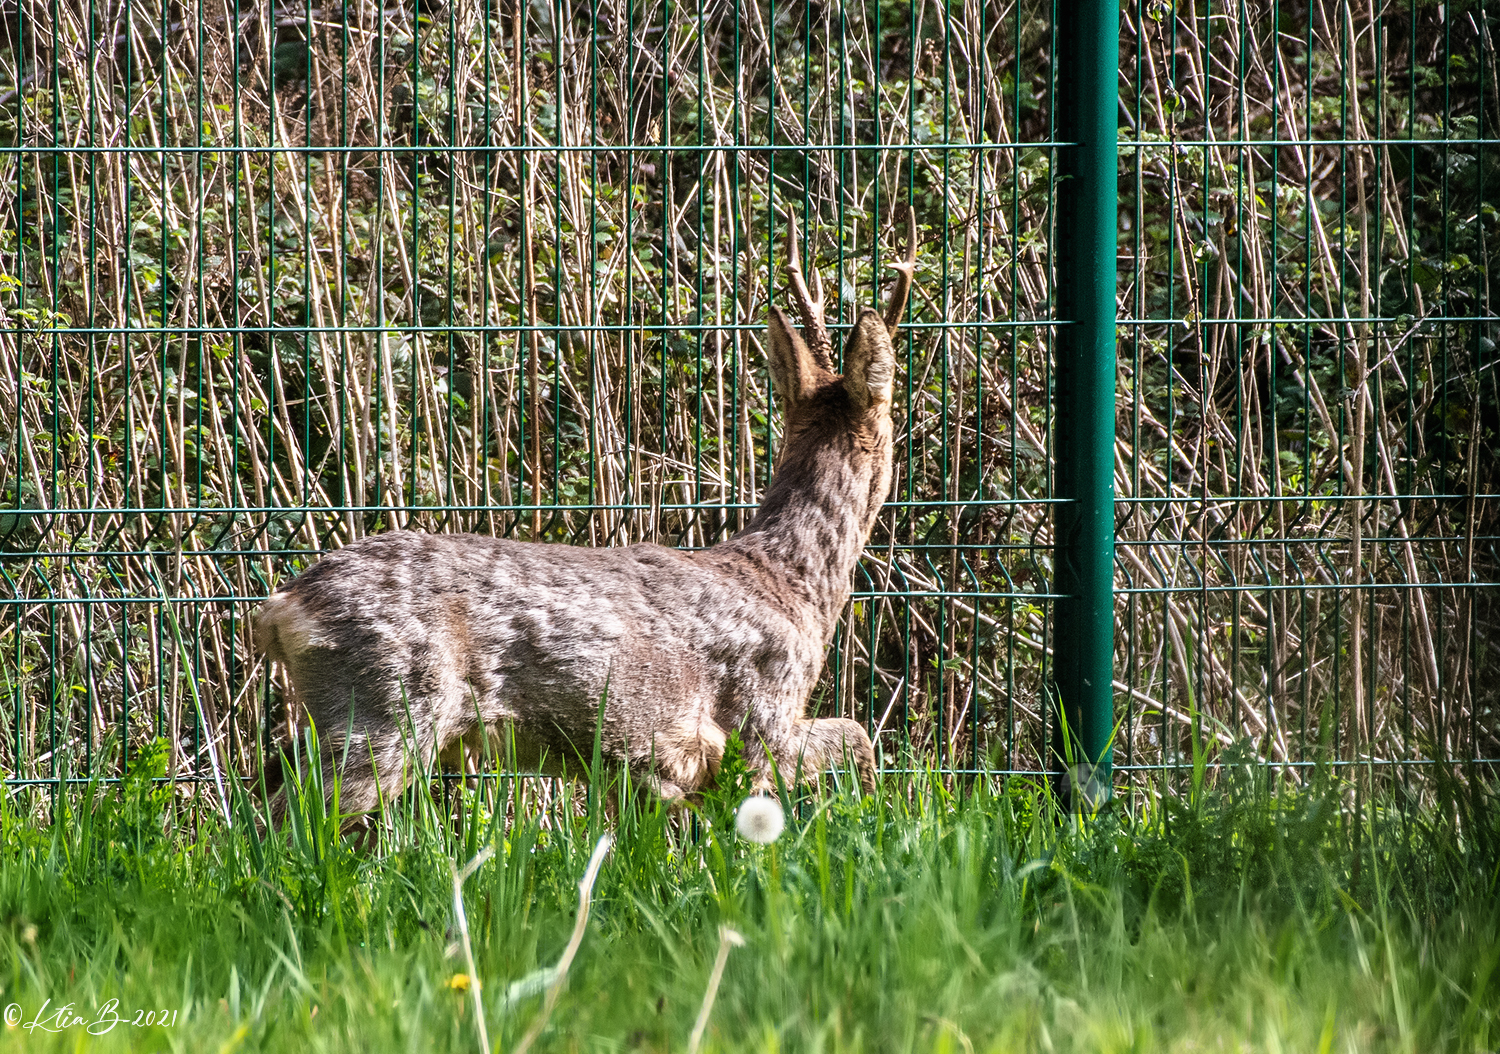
(412,643)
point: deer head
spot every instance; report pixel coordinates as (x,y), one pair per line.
(822,408)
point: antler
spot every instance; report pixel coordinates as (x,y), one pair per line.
(814,332)
(906,269)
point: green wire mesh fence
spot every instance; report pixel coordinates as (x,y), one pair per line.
(275,275)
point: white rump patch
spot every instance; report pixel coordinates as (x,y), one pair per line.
(284,630)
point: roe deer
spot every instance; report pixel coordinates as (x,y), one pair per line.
(411,643)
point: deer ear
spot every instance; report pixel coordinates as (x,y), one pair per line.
(792,366)
(869,363)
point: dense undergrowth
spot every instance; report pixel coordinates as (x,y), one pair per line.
(1242,914)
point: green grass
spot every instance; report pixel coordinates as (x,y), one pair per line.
(1233,918)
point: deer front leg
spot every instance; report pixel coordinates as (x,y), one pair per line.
(685,756)
(815,744)
(828,741)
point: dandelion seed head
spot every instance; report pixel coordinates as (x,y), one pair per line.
(760,819)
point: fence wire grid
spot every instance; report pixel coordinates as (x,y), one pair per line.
(274,276)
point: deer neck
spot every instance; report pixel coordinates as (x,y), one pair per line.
(815,518)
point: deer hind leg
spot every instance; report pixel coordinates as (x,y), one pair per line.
(373,762)
(371,737)
(366,767)
(382,707)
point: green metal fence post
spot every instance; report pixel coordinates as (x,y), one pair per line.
(1087,101)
